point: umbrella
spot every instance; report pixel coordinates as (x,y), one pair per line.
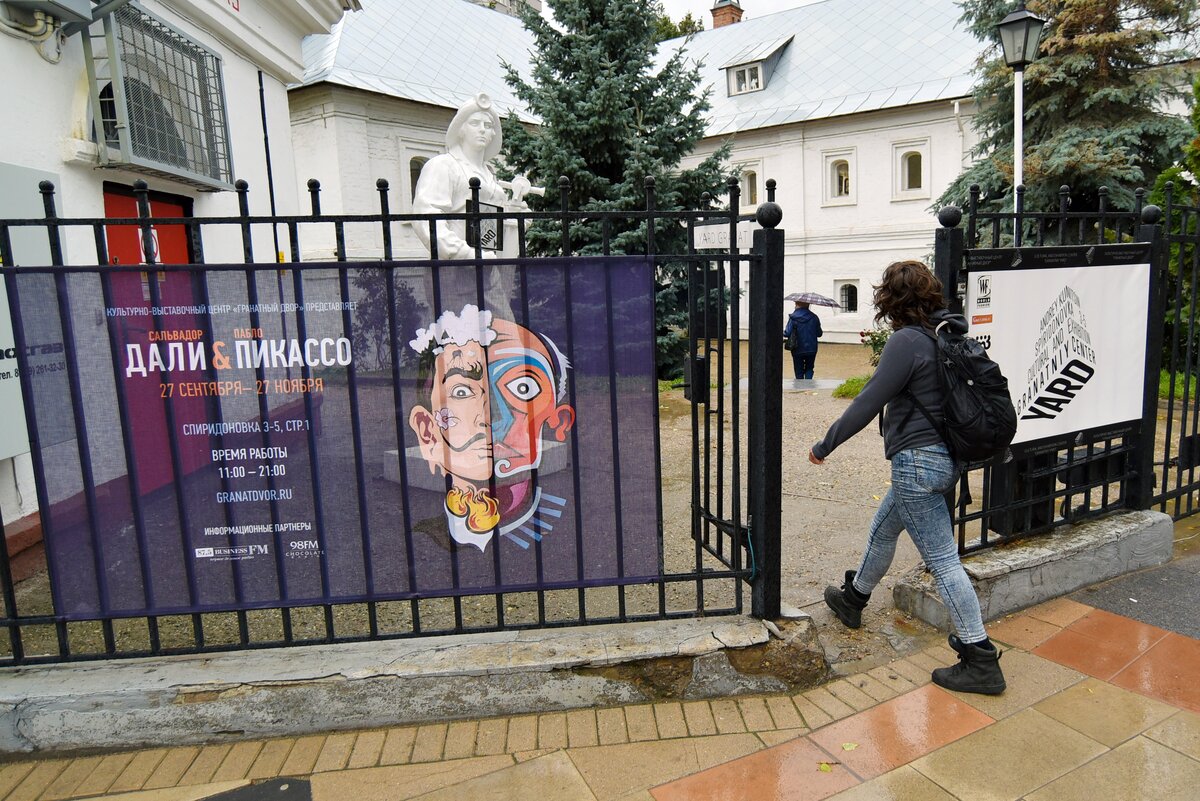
(813,298)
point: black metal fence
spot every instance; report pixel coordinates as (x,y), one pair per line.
(142,451)
(1089,473)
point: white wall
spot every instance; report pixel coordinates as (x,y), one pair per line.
(348,139)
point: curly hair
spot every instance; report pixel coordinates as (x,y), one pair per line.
(908,294)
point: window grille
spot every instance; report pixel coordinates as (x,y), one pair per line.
(849,298)
(158,100)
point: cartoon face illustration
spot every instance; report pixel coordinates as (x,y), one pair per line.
(490,391)
(527,392)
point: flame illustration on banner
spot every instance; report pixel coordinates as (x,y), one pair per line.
(480,509)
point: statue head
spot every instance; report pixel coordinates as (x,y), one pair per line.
(476,112)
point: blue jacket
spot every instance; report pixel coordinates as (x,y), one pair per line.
(808,326)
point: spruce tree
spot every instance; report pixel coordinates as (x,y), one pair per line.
(611,117)
(1094,101)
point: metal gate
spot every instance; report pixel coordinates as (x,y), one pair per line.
(1095,471)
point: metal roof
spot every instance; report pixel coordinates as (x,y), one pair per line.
(758,52)
(845,57)
(440,52)
(848,56)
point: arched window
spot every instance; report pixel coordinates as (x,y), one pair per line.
(749,188)
(840,179)
(414,174)
(910,171)
(849,298)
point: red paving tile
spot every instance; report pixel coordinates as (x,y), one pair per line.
(1169,671)
(900,730)
(788,772)
(1100,643)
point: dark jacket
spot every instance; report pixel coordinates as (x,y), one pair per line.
(807,326)
(908,362)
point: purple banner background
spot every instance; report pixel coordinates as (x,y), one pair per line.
(140,544)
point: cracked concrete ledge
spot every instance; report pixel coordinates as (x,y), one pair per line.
(1045,566)
(288,691)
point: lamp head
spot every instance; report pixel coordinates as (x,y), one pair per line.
(1020,33)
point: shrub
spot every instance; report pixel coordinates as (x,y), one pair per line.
(875,339)
(851,387)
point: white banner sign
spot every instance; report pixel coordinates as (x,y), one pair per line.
(1070,340)
(716,235)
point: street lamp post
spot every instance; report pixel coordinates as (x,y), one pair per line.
(1020,32)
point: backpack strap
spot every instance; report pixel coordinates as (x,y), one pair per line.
(940,429)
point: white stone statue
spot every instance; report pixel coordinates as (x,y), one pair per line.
(473,139)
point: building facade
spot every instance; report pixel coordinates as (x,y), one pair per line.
(859,109)
(188,95)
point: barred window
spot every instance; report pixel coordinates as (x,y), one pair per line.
(159,100)
(849,298)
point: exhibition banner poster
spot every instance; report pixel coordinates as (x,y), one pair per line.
(349,433)
(1067,325)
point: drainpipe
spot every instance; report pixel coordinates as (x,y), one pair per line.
(262,105)
(962,136)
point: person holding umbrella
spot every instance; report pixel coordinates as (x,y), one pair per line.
(802,331)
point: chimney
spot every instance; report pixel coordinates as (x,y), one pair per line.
(726,12)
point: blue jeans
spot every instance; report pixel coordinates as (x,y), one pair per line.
(803,363)
(916,503)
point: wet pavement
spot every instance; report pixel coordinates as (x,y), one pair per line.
(1094,700)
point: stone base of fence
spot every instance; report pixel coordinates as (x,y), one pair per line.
(1046,566)
(213,698)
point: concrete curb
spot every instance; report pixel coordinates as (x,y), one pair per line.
(1046,566)
(289,691)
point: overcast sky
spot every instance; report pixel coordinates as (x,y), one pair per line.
(701,9)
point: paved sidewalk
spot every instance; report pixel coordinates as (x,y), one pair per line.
(1095,700)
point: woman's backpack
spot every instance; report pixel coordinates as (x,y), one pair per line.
(979,420)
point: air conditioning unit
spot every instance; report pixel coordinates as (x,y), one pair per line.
(63,10)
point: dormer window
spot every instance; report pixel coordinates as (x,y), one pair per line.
(745,79)
(750,70)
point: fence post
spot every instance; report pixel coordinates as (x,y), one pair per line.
(765,468)
(1140,493)
(948,256)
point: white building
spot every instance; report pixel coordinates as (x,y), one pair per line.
(859,109)
(203,89)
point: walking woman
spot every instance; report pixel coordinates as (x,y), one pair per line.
(910,298)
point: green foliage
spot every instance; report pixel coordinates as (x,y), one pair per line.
(372,333)
(851,387)
(1164,386)
(1094,101)
(665,28)
(1178,185)
(611,119)
(875,338)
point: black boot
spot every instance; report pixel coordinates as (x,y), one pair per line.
(847,603)
(977,671)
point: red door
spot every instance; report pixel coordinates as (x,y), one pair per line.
(145,394)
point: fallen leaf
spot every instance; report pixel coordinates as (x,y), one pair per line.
(849,746)
(825,767)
